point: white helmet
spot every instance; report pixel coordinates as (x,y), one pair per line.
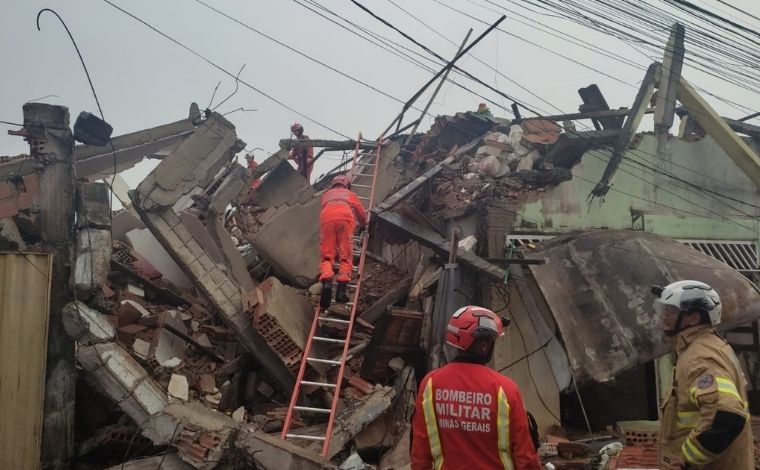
(689,297)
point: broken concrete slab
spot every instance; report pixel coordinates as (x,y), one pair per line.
(284,318)
(198,162)
(92,261)
(85,325)
(93,206)
(356,418)
(283,185)
(128,384)
(192,165)
(273,453)
(295,230)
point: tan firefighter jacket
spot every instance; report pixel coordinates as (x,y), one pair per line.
(708,397)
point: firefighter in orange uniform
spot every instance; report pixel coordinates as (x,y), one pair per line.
(303,156)
(341,211)
(468,415)
(705,420)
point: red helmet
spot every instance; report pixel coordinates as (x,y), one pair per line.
(342,180)
(296,127)
(472,322)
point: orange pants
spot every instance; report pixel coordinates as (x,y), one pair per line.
(336,236)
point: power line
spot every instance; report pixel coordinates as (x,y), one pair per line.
(225,71)
(305,56)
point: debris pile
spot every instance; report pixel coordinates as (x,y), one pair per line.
(194,304)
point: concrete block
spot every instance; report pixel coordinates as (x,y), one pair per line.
(178,387)
(283,185)
(201,234)
(272,453)
(123,380)
(93,260)
(93,205)
(295,230)
(85,325)
(526,163)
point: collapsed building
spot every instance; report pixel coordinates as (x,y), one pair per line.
(180,324)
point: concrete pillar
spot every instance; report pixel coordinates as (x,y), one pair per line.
(51,144)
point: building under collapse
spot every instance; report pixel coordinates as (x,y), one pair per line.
(177,324)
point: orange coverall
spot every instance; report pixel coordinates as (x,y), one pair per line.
(304,158)
(341,210)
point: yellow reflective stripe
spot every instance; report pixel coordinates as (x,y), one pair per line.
(693,454)
(725,386)
(428,409)
(502,425)
(728,387)
(687,419)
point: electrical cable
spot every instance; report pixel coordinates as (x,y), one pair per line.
(225,71)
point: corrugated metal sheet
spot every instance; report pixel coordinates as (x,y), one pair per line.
(24,305)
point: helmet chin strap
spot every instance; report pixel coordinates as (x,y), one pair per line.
(678,328)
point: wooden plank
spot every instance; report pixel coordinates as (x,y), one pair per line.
(628,131)
(738,150)
(24,304)
(433,240)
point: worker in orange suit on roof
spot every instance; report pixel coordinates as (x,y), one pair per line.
(341,211)
(468,415)
(303,156)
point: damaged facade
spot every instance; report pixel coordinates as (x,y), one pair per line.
(187,312)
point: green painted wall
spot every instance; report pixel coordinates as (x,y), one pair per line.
(644,200)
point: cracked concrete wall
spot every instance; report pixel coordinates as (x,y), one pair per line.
(93,248)
(160,200)
(296,229)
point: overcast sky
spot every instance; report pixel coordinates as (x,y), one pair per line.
(144,80)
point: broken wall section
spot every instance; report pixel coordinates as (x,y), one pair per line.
(186,182)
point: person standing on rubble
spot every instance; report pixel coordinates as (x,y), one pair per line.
(705,418)
(467,415)
(341,212)
(303,156)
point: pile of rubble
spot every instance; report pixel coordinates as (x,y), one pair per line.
(194,303)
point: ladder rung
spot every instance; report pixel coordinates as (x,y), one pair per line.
(323,361)
(363,174)
(314,410)
(304,436)
(360,186)
(362,197)
(329,340)
(317,384)
(334,320)
(364,164)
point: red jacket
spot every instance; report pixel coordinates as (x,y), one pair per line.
(470,417)
(340,203)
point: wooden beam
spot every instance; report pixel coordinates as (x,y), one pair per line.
(741,153)
(407,191)
(288,144)
(628,131)
(591,115)
(439,244)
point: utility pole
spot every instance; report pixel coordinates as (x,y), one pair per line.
(667,87)
(51,143)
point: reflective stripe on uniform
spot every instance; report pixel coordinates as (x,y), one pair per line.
(687,419)
(693,454)
(431,423)
(728,387)
(502,425)
(725,386)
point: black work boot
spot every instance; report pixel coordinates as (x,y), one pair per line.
(341,295)
(326,298)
